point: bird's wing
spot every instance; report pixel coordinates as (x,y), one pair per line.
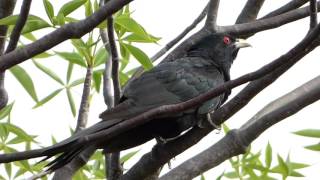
(168,83)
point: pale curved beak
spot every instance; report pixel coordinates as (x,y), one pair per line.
(241,43)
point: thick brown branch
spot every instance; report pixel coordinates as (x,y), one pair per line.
(250,11)
(236,141)
(68,31)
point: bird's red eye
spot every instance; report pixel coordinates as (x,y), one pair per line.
(226,40)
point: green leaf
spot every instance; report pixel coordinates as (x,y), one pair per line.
(97,80)
(83,49)
(4,112)
(128,156)
(33,23)
(136,38)
(225,128)
(47,98)
(88,8)
(295,165)
(315,147)
(132,26)
(71,103)
(100,57)
(268,156)
(71,6)
(25,80)
(16,140)
(77,82)
(309,133)
(59,20)
(8,168)
(49,72)
(17,131)
(42,55)
(69,72)
(49,9)
(139,55)
(30,36)
(202,177)
(123,78)
(231,175)
(296,174)
(73,58)
(284,169)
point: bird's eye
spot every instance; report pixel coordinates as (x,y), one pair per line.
(226,40)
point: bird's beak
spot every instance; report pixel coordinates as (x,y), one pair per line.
(241,43)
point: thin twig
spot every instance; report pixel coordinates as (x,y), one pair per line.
(236,141)
(250,11)
(16,32)
(294,4)
(313,14)
(40,175)
(212,15)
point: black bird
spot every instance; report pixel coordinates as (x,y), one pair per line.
(205,66)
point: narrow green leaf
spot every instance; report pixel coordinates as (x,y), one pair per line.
(59,20)
(49,9)
(96,5)
(125,57)
(132,26)
(225,128)
(42,55)
(16,140)
(53,140)
(25,80)
(71,103)
(140,56)
(77,82)
(73,58)
(123,78)
(296,174)
(268,156)
(202,177)
(8,168)
(34,23)
(71,6)
(231,175)
(141,39)
(88,8)
(128,156)
(309,133)
(97,80)
(30,36)
(83,49)
(69,72)
(295,165)
(283,166)
(17,131)
(4,112)
(315,147)
(48,71)
(47,98)
(100,57)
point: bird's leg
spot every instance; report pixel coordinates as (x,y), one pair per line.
(218,127)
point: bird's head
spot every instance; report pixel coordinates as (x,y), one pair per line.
(221,48)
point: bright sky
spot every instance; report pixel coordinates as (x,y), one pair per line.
(166,19)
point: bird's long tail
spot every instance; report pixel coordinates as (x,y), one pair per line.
(69,147)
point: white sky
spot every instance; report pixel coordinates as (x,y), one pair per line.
(166,19)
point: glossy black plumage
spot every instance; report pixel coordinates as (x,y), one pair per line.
(205,66)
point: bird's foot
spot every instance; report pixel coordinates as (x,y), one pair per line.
(209,119)
(160,140)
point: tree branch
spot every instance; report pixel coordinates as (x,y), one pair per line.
(313,14)
(236,141)
(68,31)
(211,22)
(6,9)
(294,4)
(114,168)
(250,11)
